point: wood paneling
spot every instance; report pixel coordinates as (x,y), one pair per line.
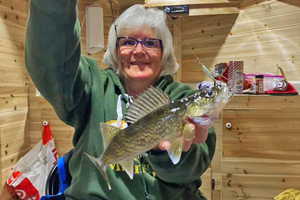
(260,150)
(264,35)
(14,137)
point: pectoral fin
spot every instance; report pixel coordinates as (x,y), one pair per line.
(188,132)
(127,165)
(175,150)
(101,169)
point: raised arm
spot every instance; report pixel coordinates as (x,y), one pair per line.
(53,58)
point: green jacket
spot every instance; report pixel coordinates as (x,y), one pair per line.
(83,96)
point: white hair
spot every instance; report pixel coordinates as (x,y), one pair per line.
(133,19)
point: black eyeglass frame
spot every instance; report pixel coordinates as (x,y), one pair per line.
(140,41)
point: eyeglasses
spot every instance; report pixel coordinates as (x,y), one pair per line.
(131,43)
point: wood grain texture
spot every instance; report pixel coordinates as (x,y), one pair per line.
(261,149)
(264,35)
(14,138)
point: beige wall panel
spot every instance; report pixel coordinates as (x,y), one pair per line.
(263,102)
(8,104)
(258,166)
(11,160)
(15,6)
(12,19)
(13,77)
(250,193)
(262,113)
(13,85)
(12,61)
(11,47)
(14,146)
(12,132)
(240,183)
(263,153)
(17,91)
(255,10)
(14,117)
(264,35)
(11,32)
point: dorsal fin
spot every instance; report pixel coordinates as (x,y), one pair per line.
(151,99)
(108,132)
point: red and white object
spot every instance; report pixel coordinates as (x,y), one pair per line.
(235,76)
(29,175)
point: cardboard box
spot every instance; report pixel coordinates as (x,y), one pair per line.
(235,76)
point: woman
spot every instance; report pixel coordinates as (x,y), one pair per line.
(139,54)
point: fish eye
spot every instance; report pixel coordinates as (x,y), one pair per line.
(209,94)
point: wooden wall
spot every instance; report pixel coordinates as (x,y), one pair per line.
(264,35)
(260,151)
(14,139)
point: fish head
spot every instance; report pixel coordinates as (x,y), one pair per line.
(219,93)
(208,102)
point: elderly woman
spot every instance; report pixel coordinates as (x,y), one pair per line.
(139,54)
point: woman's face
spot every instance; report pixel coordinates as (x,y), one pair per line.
(140,63)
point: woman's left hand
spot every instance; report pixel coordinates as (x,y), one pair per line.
(200,135)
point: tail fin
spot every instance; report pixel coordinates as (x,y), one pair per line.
(101,169)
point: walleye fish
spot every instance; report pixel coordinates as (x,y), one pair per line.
(155,117)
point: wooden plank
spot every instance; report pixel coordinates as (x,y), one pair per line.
(263,102)
(283,140)
(266,23)
(253,10)
(280,126)
(8,104)
(13,117)
(213,11)
(251,193)
(275,47)
(265,181)
(206,40)
(35,114)
(262,113)
(13,19)
(15,6)
(13,77)
(14,91)
(259,166)
(260,182)
(14,146)
(11,46)
(261,153)
(11,132)
(11,32)
(11,160)
(36,126)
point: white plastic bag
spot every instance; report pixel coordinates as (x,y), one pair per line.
(29,176)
